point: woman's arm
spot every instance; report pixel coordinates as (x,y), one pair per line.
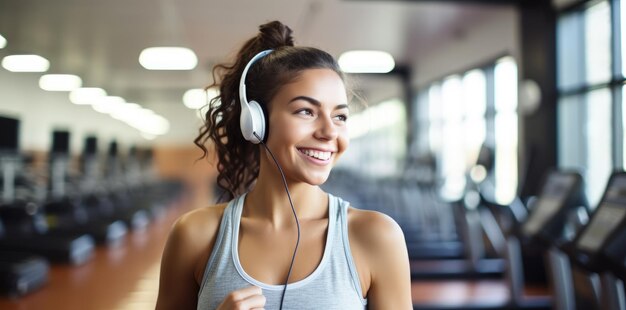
(186,251)
(380,243)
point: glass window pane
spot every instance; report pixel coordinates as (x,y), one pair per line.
(475,93)
(434,112)
(452,104)
(475,132)
(505,76)
(475,97)
(452,153)
(377,144)
(506,157)
(570,120)
(623,126)
(598,43)
(569,51)
(599,137)
(622,15)
(505,129)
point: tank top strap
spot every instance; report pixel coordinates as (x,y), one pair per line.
(223,235)
(342,216)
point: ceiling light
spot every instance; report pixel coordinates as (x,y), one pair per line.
(86,95)
(147,136)
(25,63)
(152,123)
(124,112)
(197,98)
(3,41)
(108,104)
(168,58)
(60,82)
(126,109)
(366,62)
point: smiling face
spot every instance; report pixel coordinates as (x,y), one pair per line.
(308,130)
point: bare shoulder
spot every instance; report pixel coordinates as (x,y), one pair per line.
(378,247)
(194,234)
(201,223)
(373,228)
(188,247)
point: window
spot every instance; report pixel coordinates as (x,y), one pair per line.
(377,139)
(598,43)
(587,128)
(459,111)
(505,87)
(452,155)
(598,127)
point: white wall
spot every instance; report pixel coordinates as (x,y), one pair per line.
(40,112)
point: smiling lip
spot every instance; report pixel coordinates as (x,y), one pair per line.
(316,156)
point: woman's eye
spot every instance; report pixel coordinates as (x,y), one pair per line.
(342,117)
(305,112)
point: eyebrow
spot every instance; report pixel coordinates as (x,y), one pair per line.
(316,102)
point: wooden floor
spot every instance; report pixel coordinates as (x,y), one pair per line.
(127,276)
(122,277)
(471,294)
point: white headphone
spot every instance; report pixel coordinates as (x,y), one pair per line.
(252,120)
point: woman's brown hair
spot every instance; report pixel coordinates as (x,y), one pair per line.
(238,159)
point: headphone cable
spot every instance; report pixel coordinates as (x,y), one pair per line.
(293,258)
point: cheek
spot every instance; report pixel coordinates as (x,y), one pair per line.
(343,140)
(283,132)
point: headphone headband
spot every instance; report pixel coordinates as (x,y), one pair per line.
(252,120)
(242,83)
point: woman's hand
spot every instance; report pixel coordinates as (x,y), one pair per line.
(249,298)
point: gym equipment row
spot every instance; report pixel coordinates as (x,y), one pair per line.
(555,241)
(60,215)
(445,239)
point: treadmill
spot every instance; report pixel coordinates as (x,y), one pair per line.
(614,296)
(482,243)
(598,254)
(26,230)
(116,192)
(139,193)
(67,214)
(539,236)
(20,273)
(539,233)
(25,227)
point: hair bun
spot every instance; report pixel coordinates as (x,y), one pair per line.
(274,35)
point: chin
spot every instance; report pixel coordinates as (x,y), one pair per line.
(316,180)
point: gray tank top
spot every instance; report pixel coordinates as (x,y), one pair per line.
(334,284)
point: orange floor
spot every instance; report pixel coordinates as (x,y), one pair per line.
(459,293)
(122,277)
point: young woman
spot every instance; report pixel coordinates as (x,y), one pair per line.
(239,255)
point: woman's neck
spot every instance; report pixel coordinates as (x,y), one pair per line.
(268,200)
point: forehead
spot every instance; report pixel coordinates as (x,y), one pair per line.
(324,85)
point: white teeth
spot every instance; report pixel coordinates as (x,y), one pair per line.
(317,154)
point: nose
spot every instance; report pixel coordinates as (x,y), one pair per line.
(326,128)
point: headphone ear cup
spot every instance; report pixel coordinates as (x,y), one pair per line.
(256,121)
(252,118)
